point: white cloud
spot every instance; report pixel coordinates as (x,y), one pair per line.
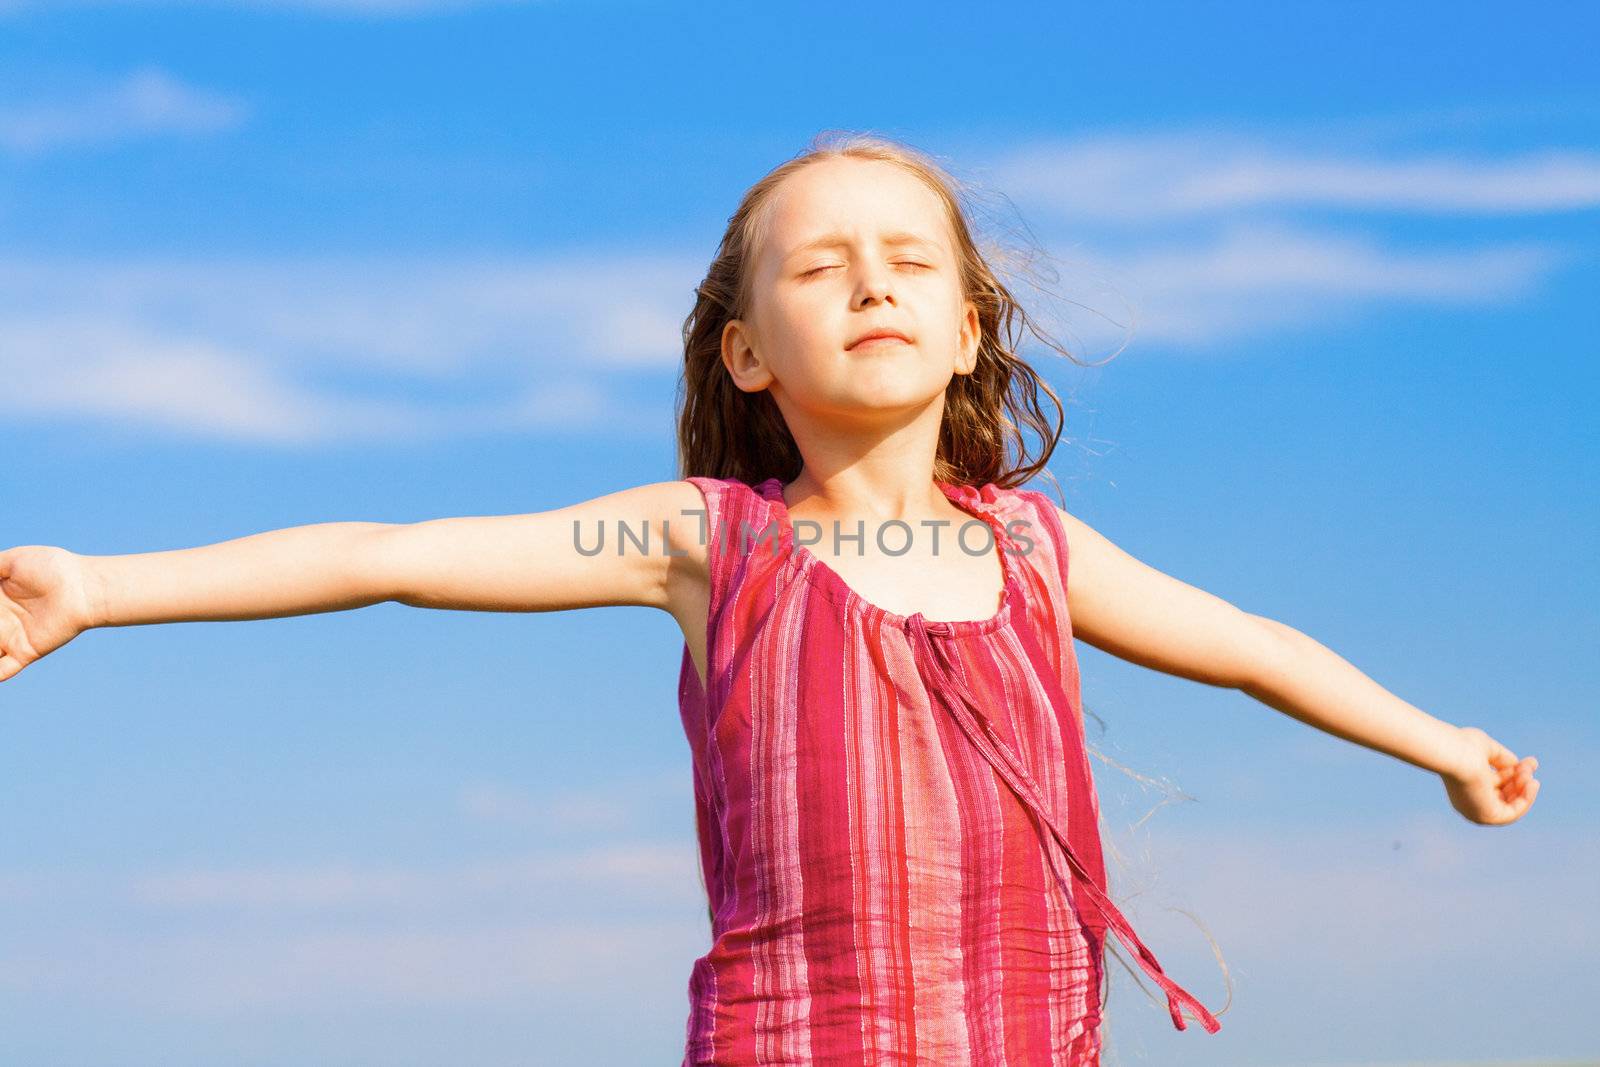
(127,372)
(1340,900)
(293,351)
(359,8)
(1234,269)
(651,871)
(305,936)
(1362,900)
(1161,177)
(1253,279)
(310,349)
(610,865)
(145,103)
(567,811)
(248,969)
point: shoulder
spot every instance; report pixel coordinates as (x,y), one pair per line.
(1030,526)
(684,497)
(1031,516)
(656,535)
(712,501)
(696,513)
(658,547)
(659,505)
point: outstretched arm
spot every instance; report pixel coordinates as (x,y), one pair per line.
(1130,609)
(528,562)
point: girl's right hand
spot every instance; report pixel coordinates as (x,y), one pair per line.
(45,601)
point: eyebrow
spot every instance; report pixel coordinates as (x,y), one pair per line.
(835,240)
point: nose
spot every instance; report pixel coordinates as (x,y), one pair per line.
(874,285)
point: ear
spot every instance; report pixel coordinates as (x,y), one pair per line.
(971,338)
(740,358)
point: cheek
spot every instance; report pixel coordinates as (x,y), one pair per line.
(797,336)
(809,322)
(783,317)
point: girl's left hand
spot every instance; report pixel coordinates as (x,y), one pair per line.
(1490,786)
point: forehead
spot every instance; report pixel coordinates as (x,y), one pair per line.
(858,198)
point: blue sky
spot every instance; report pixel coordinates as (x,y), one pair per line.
(266,264)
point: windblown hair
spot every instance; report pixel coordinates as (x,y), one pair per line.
(724,432)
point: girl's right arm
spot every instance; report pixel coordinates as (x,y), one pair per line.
(540,561)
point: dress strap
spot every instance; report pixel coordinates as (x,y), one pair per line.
(981,732)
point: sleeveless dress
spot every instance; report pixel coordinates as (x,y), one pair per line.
(897,822)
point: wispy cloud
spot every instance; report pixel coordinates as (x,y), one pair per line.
(145,103)
(355,8)
(619,913)
(314,349)
(654,871)
(1361,900)
(248,969)
(317,934)
(317,349)
(1161,177)
(1251,280)
(495,803)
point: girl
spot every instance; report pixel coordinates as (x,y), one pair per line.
(896,815)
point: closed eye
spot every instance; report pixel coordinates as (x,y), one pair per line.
(901,263)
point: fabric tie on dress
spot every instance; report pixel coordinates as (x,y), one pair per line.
(981,732)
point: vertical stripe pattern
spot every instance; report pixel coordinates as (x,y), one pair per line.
(897,821)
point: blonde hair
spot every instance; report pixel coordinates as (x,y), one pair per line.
(724,432)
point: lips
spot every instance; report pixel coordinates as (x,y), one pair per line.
(880,337)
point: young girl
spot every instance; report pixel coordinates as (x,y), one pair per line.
(898,825)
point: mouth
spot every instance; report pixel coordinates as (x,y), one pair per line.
(879,339)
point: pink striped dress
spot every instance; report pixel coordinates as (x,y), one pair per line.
(896,816)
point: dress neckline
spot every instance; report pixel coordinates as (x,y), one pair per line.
(964,497)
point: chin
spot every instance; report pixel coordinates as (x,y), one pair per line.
(889,396)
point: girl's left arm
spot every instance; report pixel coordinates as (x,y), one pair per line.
(1133,611)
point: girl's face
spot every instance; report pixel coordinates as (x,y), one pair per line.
(853,246)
